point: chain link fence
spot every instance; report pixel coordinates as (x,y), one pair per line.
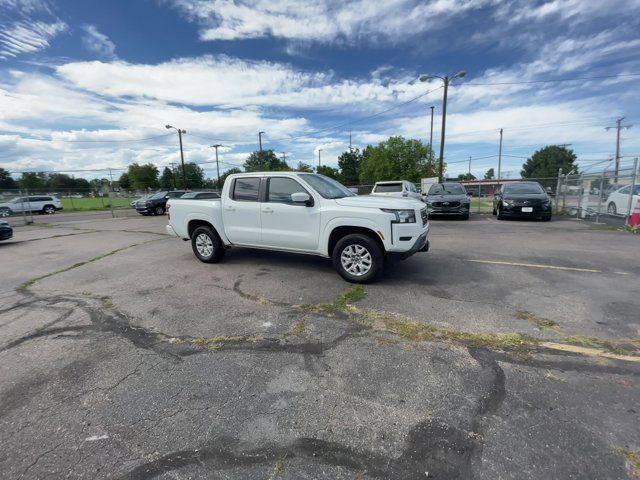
(606,196)
(23,207)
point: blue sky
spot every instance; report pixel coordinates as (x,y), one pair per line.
(81,82)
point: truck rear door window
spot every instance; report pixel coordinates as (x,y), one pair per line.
(389,187)
(246,189)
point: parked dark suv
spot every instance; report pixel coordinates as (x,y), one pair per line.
(156,204)
(522,199)
(447,199)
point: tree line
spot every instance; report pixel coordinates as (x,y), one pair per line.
(396,158)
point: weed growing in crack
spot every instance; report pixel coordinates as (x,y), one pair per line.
(341,304)
(541,322)
(632,458)
(299,328)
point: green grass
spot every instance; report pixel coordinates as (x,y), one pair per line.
(91,203)
(485,205)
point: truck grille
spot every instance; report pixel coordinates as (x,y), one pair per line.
(424,215)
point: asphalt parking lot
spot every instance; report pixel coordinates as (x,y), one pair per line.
(510,351)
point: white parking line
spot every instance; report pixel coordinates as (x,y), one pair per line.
(535,265)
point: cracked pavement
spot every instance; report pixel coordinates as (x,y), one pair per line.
(141,362)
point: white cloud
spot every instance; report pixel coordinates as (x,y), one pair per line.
(27,26)
(322,20)
(98,43)
(231,82)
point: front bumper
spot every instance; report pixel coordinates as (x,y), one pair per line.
(170,231)
(460,209)
(516,211)
(408,238)
(6,234)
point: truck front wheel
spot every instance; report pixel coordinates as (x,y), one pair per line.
(358,258)
(207,245)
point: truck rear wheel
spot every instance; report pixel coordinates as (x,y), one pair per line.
(206,244)
(358,258)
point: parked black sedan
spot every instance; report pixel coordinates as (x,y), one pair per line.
(157,204)
(447,199)
(6,232)
(522,199)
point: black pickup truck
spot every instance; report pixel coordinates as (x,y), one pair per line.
(156,204)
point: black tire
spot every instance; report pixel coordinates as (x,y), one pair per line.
(159,210)
(499,214)
(206,245)
(49,209)
(494,212)
(362,249)
(465,216)
(611,209)
(546,218)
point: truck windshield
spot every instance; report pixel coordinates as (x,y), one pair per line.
(326,187)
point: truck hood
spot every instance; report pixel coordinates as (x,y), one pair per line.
(365,201)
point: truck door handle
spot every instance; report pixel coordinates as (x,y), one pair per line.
(267,210)
(230,209)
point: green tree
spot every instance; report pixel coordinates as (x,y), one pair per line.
(82,185)
(490,174)
(33,181)
(349,163)
(466,176)
(6,180)
(545,163)
(328,171)
(124,181)
(143,176)
(194,174)
(304,167)
(397,159)
(265,161)
(166,179)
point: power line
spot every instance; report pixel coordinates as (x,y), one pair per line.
(557,80)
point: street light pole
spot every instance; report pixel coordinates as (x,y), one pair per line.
(500,157)
(216,146)
(446,81)
(431,134)
(184,173)
(260,140)
(319,164)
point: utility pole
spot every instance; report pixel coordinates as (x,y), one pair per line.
(500,158)
(618,127)
(445,80)
(216,146)
(184,173)
(349,139)
(284,156)
(319,164)
(260,140)
(111,177)
(469,175)
(431,134)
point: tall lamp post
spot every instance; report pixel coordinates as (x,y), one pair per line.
(446,79)
(216,146)
(319,150)
(184,173)
(431,134)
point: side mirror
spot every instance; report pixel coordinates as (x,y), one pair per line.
(301,197)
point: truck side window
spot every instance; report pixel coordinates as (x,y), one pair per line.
(246,189)
(280,189)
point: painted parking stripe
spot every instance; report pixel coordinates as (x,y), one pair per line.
(535,265)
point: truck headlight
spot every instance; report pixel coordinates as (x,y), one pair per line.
(402,216)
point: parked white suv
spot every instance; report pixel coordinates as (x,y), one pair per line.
(399,188)
(35,203)
(304,213)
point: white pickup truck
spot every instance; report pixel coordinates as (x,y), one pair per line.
(304,213)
